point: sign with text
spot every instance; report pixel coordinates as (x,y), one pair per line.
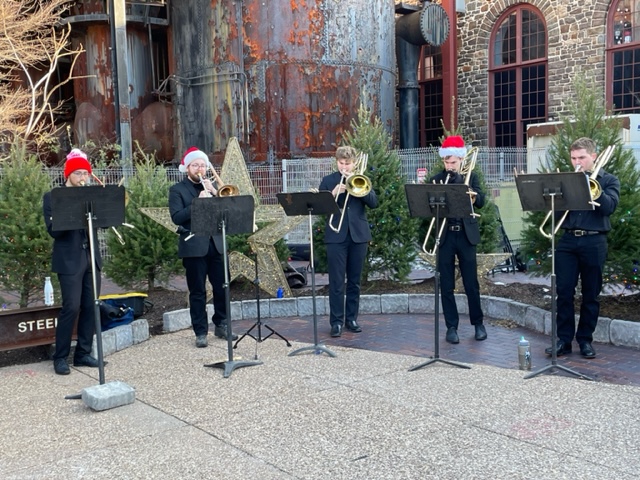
(28,327)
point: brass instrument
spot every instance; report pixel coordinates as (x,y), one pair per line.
(357,185)
(594,189)
(202,179)
(224,190)
(594,186)
(466,167)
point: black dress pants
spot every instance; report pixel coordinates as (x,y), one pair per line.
(579,257)
(345,259)
(456,245)
(198,269)
(77,302)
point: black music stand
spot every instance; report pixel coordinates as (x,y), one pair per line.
(88,208)
(553,192)
(438,201)
(224,216)
(259,324)
(310,203)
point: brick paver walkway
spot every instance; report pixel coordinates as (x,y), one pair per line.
(414,335)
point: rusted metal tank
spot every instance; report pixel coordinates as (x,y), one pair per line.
(284,76)
(96,119)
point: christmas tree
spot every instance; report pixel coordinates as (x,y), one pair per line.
(392,250)
(150,251)
(588,117)
(25,249)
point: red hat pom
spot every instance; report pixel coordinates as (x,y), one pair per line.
(76,160)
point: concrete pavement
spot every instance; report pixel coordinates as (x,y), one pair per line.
(361,415)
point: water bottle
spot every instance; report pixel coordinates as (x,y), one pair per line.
(524,354)
(280,292)
(48,292)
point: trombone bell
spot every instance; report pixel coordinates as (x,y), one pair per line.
(228,191)
(358,185)
(594,188)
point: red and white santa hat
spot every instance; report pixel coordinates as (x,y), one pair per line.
(453,146)
(190,155)
(76,160)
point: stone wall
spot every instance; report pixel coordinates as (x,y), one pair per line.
(576,43)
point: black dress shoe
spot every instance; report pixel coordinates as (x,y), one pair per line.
(61,366)
(220,331)
(481,332)
(353,326)
(86,361)
(452,335)
(587,351)
(562,348)
(336,330)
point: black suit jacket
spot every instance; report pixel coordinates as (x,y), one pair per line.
(471,227)
(180,197)
(354,218)
(68,244)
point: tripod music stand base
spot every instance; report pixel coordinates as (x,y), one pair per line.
(231,365)
(317,349)
(261,339)
(559,367)
(434,360)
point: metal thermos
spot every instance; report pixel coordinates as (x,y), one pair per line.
(524,354)
(48,292)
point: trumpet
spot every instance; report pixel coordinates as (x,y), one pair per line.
(466,168)
(595,190)
(357,185)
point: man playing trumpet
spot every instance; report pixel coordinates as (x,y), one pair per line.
(201,255)
(459,239)
(581,253)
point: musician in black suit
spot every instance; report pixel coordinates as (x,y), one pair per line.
(581,254)
(346,248)
(201,255)
(459,239)
(71,261)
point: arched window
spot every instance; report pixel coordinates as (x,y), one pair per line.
(517,76)
(623,57)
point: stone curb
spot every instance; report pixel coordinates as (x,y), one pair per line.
(613,331)
(122,337)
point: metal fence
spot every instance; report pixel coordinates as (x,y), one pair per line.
(301,174)
(295,175)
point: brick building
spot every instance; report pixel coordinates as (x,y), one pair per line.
(517,60)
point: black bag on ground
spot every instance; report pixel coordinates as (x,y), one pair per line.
(114,313)
(295,278)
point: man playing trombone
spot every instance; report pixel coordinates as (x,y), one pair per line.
(347,238)
(582,251)
(201,255)
(459,238)
(71,260)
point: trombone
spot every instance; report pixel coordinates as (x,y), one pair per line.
(223,190)
(594,189)
(465,169)
(357,185)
